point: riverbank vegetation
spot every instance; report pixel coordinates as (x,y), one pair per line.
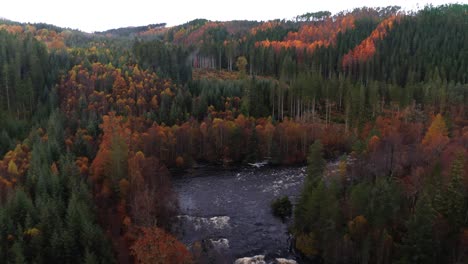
(282,207)
(90,125)
(398,200)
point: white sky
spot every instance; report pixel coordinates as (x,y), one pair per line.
(99,15)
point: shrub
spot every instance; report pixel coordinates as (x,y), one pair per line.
(282,207)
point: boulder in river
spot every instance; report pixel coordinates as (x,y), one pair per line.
(285,261)
(259,259)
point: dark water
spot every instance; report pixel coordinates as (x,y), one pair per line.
(231,209)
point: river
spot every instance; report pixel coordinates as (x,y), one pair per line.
(230,210)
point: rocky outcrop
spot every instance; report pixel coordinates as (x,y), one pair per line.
(285,261)
(259,259)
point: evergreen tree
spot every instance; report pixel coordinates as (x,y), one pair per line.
(315,164)
(253,152)
(418,242)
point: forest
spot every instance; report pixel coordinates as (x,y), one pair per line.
(93,125)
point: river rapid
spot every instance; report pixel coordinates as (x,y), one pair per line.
(228,211)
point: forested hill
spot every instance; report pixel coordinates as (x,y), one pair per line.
(132,31)
(91,123)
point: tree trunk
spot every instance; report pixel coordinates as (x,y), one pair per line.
(282,105)
(273,105)
(219,59)
(298,111)
(5,69)
(313,110)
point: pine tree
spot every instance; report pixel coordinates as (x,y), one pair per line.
(90,258)
(418,242)
(18,253)
(316,164)
(455,195)
(450,203)
(253,153)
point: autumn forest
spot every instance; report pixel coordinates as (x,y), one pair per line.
(93,127)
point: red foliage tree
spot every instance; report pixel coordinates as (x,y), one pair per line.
(155,246)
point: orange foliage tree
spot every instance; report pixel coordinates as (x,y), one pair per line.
(134,92)
(366,49)
(311,36)
(13,168)
(155,246)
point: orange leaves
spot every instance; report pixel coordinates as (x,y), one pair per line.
(15,162)
(108,161)
(154,102)
(366,49)
(13,167)
(180,161)
(194,35)
(129,188)
(134,92)
(135,167)
(83,165)
(150,198)
(155,246)
(388,126)
(218,139)
(98,165)
(120,85)
(54,169)
(358,228)
(312,35)
(373,143)
(307,244)
(12,29)
(124,187)
(265,26)
(153,31)
(51,38)
(197,34)
(56,44)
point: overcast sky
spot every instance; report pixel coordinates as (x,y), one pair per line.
(99,15)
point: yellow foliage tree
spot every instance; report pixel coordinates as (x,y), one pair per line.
(241,64)
(32,232)
(437,135)
(358,228)
(307,244)
(12,168)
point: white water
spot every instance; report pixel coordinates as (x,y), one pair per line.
(231,209)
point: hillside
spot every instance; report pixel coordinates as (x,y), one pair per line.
(92,125)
